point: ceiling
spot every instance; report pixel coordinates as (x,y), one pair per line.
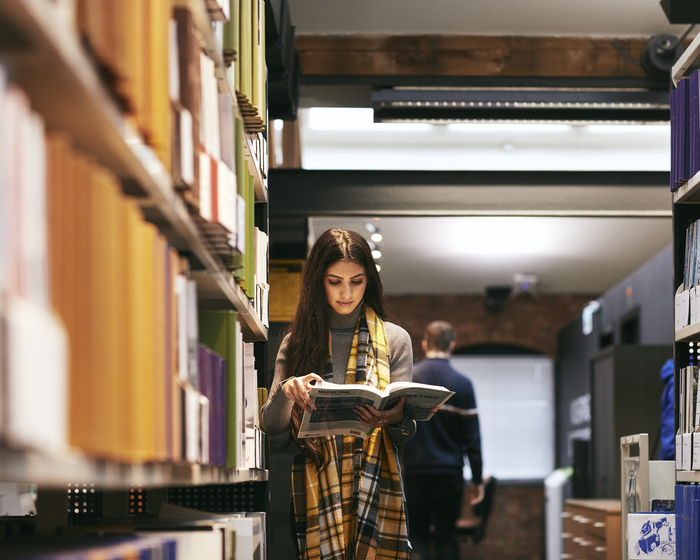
(580,252)
(617,18)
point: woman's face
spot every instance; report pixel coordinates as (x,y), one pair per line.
(345,283)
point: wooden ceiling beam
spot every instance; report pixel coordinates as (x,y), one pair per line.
(465,55)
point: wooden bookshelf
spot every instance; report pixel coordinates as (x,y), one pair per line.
(689,333)
(57,471)
(688,62)
(685,211)
(47,60)
(52,67)
(202,18)
(688,476)
(689,192)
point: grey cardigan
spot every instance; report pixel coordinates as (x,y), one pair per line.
(276,413)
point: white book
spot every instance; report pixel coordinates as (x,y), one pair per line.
(205,187)
(186,147)
(204,413)
(226,197)
(690,396)
(192,334)
(250,387)
(180,288)
(4,194)
(244,529)
(173,63)
(192,419)
(34,398)
(240,229)
(681,400)
(696,398)
(239,406)
(204,118)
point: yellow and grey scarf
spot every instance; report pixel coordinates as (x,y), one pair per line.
(361,514)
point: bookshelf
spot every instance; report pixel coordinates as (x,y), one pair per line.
(77,102)
(686,211)
(43,55)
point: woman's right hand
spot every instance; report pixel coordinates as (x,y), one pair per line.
(297,389)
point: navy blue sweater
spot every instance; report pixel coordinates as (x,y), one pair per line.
(441,443)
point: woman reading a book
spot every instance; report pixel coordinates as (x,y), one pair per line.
(347,491)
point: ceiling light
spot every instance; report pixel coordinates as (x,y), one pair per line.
(377,254)
(515,104)
(629,129)
(376,237)
(495,235)
(354,119)
(523,128)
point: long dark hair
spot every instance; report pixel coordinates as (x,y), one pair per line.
(307,347)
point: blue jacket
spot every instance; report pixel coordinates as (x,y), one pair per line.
(668,432)
(441,443)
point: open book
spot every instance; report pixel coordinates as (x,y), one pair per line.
(335,406)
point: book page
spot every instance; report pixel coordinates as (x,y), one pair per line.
(335,410)
(422,400)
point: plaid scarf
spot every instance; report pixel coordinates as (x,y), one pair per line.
(361,514)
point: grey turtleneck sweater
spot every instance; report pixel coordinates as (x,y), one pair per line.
(276,412)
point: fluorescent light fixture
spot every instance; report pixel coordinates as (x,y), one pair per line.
(523,128)
(559,105)
(500,236)
(629,129)
(359,119)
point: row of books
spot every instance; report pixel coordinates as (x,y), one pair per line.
(153,57)
(32,336)
(688,437)
(114,547)
(130,42)
(133,45)
(246,29)
(235,436)
(177,533)
(685,130)
(687,301)
(99,307)
(691,268)
(687,515)
(211,143)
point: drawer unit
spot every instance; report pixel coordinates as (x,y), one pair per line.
(592,530)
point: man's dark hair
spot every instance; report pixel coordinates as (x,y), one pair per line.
(439,335)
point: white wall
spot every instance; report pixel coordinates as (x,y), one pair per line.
(515,398)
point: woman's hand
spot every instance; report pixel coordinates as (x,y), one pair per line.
(297,389)
(374,418)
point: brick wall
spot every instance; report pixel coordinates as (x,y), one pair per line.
(515,529)
(525,320)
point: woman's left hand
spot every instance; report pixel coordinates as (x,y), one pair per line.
(374,418)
